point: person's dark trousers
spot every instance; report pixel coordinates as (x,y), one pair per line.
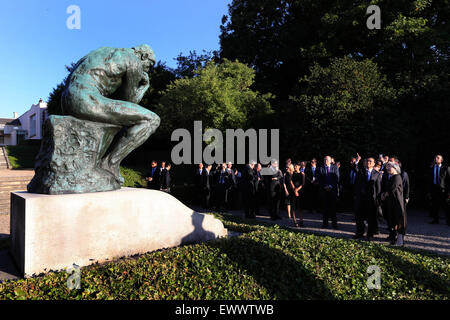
(315,201)
(206,198)
(249,204)
(372,221)
(259,199)
(329,207)
(220,196)
(275,199)
(360,216)
(438,201)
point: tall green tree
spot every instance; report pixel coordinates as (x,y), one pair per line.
(218,94)
(282,39)
(346,107)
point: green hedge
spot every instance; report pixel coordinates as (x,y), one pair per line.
(265,262)
(23,156)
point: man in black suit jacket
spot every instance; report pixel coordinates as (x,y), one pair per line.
(198,183)
(249,181)
(153,176)
(328,182)
(260,188)
(275,181)
(439,189)
(165,178)
(367,196)
(311,188)
(206,183)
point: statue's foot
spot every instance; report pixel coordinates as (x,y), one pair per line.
(114,169)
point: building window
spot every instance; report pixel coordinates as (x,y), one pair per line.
(33,125)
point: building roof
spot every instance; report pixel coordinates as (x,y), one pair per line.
(5,120)
(14,122)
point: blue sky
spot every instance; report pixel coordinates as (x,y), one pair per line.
(36,44)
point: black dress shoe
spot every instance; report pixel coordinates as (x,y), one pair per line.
(357,236)
(335,226)
(324,226)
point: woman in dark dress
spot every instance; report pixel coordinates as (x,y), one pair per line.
(298,181)
(394,203)
(289,192)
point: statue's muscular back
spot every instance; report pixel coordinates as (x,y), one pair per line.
(107,84)
(103,69)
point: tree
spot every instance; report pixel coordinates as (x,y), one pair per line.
(54,98)
(217,94)
(186,65)
(282,39)
(344,107)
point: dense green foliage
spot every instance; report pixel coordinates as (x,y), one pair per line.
(342,107)
(133,177)
(22,156)
(217,94)
(266,262)
(322,44)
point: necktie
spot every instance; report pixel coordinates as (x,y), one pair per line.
(328,170)
(368,175)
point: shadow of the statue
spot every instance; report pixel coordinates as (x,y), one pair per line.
(199,233)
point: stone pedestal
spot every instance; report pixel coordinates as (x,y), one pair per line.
(53,232)
(71,157)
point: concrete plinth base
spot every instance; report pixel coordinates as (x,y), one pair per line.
(53,232)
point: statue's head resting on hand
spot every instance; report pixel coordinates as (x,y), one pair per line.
(146,55)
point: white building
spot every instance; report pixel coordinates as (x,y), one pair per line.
(26,127)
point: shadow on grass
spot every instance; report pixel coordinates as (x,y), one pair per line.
(252,253)
(282,276)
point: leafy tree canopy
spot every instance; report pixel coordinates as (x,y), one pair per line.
(217,94)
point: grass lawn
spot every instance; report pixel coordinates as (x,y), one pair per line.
(265,262)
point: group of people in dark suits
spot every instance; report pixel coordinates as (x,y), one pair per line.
(381,189)
(225,187)
(158,177)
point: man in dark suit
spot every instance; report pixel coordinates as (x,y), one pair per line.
(249,188)
(439,189)
(232,187)
(275,181)
(198,183)
(222,183)
(311,191)
(367,195)
(165,178)
(162,174)
(153,176)
(353,174)
(206,183)
(260,188)
(328,181)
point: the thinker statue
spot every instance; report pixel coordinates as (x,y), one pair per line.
(102,123)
